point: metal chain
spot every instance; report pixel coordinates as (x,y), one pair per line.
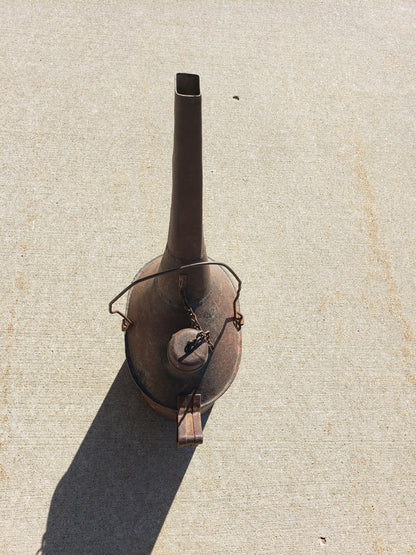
(201,335)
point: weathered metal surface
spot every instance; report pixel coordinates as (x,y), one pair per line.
(189,421)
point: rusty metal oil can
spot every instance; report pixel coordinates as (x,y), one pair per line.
(182,323)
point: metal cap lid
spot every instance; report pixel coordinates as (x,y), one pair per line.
(187,353)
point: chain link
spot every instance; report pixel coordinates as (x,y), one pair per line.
(201,335)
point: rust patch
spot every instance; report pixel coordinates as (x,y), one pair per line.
(406,352)
(322,306)
(380,547)
(20,282)
(382,258)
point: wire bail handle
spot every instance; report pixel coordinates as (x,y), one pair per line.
(238,318)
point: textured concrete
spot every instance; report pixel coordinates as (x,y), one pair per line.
(309,194)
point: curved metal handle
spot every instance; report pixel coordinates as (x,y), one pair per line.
(238,317)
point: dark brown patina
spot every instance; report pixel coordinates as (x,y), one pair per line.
(183,339)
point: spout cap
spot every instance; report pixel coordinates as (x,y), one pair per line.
(186,354)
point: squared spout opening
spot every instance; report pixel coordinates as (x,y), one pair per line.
(187,84)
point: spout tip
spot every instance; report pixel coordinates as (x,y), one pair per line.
(187,84)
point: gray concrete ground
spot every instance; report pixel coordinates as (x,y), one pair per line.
(309,195)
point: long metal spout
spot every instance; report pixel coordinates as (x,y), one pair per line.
(185,243)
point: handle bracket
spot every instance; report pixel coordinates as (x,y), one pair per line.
(189,420)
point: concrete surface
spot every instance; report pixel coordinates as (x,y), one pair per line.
(309,195)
